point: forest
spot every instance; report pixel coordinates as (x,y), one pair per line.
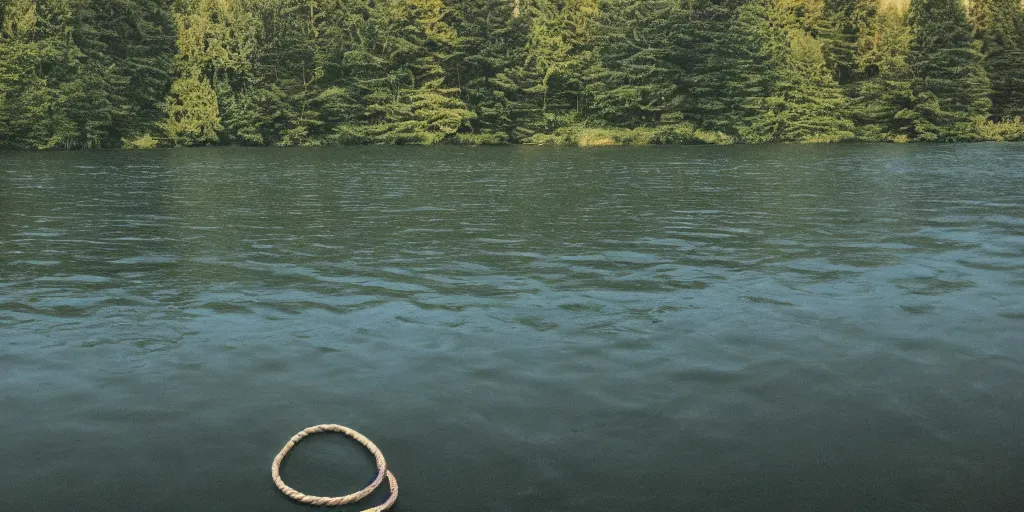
(79,74)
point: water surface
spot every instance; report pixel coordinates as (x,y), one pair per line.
(770,328)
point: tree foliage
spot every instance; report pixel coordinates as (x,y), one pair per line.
(950,85)
(884,97)
(137,73)
(999,30)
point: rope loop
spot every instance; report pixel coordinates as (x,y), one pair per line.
(382,471)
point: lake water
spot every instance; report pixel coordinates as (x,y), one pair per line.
(775,328)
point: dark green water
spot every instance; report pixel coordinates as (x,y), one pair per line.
(738,329)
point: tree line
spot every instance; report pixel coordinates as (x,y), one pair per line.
(142,73)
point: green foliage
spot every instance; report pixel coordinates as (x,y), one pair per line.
(950,85)
(480,139)
(400,91)
(883,98)
(142,73)
(147,141)
(841,31)
(81,73)
(719,69)
(1009,130)
(582,136)
(799,100)
(491,39)
(547,86)
(193,116)
(634,82)
(999,30)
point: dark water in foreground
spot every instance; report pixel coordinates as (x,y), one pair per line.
(519,329)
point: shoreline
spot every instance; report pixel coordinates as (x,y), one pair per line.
(508,145)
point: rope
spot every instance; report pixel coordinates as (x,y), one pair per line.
(382,470)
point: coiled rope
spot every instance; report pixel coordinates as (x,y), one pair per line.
(382,470)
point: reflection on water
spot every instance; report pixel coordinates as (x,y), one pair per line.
(766,328)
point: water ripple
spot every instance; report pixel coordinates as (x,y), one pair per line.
(776,326)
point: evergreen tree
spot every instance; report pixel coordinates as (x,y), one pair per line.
(999,27)
(402,83)
(279,101)
(20,55)
(88,72)
(215,43)
(840,31)
(548,86)
(716,66)
(193,116)
(491,39)
(37,109)
(329,94)
(125,49)
(799,100)
(884,99)
(950,85)
(634,81)
(105,73)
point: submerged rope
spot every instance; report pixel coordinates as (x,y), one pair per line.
(382,470)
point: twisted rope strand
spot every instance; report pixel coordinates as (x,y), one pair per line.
(382,471)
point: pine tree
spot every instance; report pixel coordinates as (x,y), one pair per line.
(215,43)
(999,28)
(633,83)
(123,70)
(19,55)
(840,31)
(950,84)
(884,98)
(799,100)
(547,87)
(36,112)
(279,101)
(321,90)
(402,81)
(91,72)
(193,115)
(491,38)
(714,62)
(103,73)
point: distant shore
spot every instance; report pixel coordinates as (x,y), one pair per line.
(141,74)
(680,135)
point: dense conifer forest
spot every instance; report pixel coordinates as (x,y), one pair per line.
(145,73)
